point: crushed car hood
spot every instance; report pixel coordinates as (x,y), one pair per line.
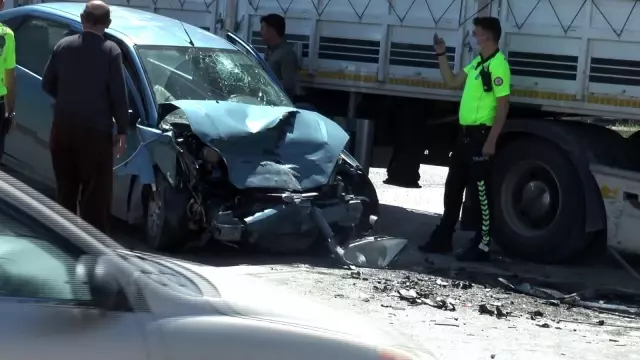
(254,139)
(263,146)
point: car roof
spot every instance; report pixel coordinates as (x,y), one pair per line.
(141,27)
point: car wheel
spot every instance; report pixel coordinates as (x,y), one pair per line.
(159,234)
(361,186)
(538,209)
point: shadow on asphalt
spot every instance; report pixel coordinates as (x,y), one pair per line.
(415,226)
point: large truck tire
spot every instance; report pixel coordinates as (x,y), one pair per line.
(538,207)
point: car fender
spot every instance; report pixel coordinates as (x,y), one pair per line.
(230,337)
(157,150)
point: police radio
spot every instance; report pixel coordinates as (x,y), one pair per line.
(485,77)
(485,74)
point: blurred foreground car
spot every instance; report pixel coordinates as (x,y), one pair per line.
(69,292)
(216,150)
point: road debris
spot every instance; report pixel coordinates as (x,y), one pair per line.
(398,291)
(536,314)
(590,299)
(500,314)
(442,323)
(483,309)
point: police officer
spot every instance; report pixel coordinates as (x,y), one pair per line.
(483,112)
(7,81)
(280,56)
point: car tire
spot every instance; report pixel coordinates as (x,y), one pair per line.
(538,210)
(361,186)
(159,234)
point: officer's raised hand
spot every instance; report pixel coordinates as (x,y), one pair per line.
(439,44)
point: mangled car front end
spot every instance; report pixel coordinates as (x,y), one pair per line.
(275,177)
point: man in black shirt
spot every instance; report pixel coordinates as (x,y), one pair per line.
(85,77)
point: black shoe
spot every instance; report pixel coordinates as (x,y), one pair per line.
(440,241)
(402,183)
(474,251)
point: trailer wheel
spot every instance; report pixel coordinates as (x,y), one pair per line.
(538,209)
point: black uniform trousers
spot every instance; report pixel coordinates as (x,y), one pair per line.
(5,126)
(468,170)
(82,160)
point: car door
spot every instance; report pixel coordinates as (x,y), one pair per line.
(29,144)
(122,182)
(46,310)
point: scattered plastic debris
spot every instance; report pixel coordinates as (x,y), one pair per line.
(483,309)
(590,299)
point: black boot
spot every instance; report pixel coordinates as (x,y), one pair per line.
(440,241)
(474,251)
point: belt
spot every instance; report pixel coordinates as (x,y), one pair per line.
(474,128)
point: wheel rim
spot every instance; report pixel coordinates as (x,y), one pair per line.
(530,198)
(154,215)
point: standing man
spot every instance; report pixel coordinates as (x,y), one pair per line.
(7,81)
(85,78)
(280,54)
(483,112)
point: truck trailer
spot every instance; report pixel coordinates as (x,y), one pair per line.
(563,182)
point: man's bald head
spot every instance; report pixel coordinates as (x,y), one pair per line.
(96,16)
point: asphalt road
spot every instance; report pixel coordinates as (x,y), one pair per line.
(437,303)
(446,321)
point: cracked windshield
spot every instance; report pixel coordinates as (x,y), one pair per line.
(188,73)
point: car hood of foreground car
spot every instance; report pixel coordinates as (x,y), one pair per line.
(247,296)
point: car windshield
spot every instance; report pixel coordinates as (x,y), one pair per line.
(192,73)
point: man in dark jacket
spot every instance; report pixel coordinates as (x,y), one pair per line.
(85,77)
(280,54)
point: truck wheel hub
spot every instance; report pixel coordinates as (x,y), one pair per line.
(530,198)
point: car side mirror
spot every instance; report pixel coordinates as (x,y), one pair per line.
(99,273)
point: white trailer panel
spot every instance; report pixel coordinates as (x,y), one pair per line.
(570,55)
(620,192)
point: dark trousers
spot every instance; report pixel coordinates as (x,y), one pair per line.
(408,146)
(83,165)
(468,170)
(5,126)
